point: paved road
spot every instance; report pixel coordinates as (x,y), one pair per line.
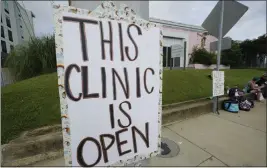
(212,140)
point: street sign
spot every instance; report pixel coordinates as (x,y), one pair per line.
(110,88)
(217,83)
(226,44)
(177,50)
(221,19)
(233,11)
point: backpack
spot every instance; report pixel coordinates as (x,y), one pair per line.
(246,104)
(232,92)
(231,105)
(235,92)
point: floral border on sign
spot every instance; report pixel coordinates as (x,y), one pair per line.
(107,10)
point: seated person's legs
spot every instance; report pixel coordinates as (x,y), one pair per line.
(256,92)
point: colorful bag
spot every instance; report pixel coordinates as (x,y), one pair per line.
(231,106)
(246,104)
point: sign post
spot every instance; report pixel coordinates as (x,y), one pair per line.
(219,54)
(185,55)
(109,65)
(225,14)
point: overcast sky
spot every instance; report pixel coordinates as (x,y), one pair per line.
(251,25)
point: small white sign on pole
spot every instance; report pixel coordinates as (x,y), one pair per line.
(110,85)
(177,50)
(217,83)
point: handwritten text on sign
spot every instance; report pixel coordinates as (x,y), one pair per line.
(217,83)
(112,85)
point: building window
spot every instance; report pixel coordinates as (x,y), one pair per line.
(6,6)
(10,37)
(176,61)
(1,19)
(3,45)
(2,32)
(167,60)
(11,47)
(8,22)
(22,37)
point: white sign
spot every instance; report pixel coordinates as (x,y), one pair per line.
(112,87)
(177,51)
(217,83)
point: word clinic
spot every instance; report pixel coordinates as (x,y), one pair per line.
(121,78)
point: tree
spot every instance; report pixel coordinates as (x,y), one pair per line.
(34,58)
(252,48)
(233,56)
(248,53)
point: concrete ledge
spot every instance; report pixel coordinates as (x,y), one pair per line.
(47,143)
(180,112)
(28,149)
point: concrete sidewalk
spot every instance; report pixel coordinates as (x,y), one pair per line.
(213,140)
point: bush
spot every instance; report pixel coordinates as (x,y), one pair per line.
(202,56)
(36,57)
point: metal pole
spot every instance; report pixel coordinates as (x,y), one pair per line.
(216,99)
(184,55)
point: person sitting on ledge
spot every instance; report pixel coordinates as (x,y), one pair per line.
(252,87)
(263,83)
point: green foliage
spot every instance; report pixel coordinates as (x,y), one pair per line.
(233,56)
(244,54)
(202,56)
(251,48)
(34,102)
(36,57)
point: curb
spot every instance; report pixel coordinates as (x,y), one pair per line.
(171,115)
(33,146)
(47,143)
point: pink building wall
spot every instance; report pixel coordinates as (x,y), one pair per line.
(194,38)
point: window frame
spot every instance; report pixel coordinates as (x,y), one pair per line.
(8,19)
(9,32)
(3,42)
(3,32)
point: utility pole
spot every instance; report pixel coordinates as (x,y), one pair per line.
(216,99)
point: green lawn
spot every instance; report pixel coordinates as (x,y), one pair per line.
(34,102)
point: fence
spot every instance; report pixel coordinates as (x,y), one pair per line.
(6,77)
